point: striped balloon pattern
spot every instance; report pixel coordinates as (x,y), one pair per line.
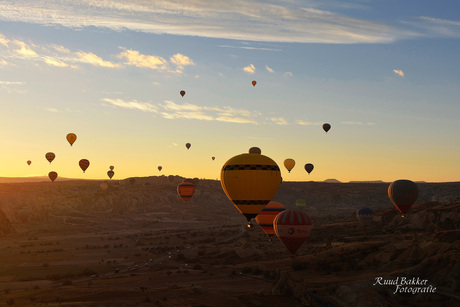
(186,190)
(84,163)
(267,215)
(52,176)
(292,227)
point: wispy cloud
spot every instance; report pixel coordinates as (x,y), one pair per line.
(54,62)
(269,69)
(91,58)
(133,105)
(134,58)
(351,123)
(305,123)
(250,69)
(180,61)
(279,121)
(398,72)
(53,110)
(11,83)
(24,49)
(251,20)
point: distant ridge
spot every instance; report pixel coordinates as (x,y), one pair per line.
(34,179)
(332,181)
(368,181)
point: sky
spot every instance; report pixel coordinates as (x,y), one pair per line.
(384,74)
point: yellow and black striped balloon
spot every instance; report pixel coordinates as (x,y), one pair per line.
(250,181)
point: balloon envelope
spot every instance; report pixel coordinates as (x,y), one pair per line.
(110,174)
(160,168)
(403,193)
(326,127)
(182,93)
(300,203)
(103,186)
(71,138)
(267,215)
(29,162)
(50,156)
(186,190)
(292,227)
(250,181)
(289,164)
(309,167)
(365,215)
(188,145)
(84,163)
(254,82)
(111,167)
(52,176)
(213,158)
(131,180)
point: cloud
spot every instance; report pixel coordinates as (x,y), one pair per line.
(3,40)
(134,58)
(398,72)
(91,58)
(53,110)
(279,121)
(351,123)
(250,69)
(304,123)
(3,62)
(180,61)
(250,48)
(54,62)
(11,83)
(251,20)
(24,49)
(269,69)
(133,105)
(288,74)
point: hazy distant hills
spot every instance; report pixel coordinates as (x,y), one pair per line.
(33,179)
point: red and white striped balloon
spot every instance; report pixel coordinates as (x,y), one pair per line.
(292,227)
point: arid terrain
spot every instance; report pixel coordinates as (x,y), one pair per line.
(69,243)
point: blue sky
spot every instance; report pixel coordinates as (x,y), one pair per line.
(384,74)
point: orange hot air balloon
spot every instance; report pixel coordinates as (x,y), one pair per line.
(267,215)
(250,181)
(289,164)
(52,176)
(213,158)
(50,156)
(309,167)
(182,93)
(84,163)
(185,190)
(326,127)
(403,193)
(254,82)
(29,162)
(110,174)
(103,186)
(71,138)
(111,167)
(292,227)
(160,168)
(188,145)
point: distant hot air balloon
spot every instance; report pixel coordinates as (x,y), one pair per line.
(213,158)
(308,168)
(292,227)
(171,178)
(131,180)
(52,176)
(71,138)
(188,145)
(195,181)
(50,156)
(185,190)
(403,193)
(326,127)
(103,186)
(160,168)
(289,164)
(84,163)
(254,82)
(267,215)
(110,174)
(250,181)
(365,216)
(29,162)
(300,204)
(111,167)
(182,93)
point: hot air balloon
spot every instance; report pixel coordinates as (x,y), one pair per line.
(403,193)
(289,164)
(84,163)
(250,181)
(308,168)
(185,190)
(52,176)
(365,216)
(131,180)
(326,127)
(213,158)
(110,174)
(50,156)
(111,167)
(292,227)
(71,138)
(29,162)
(300,204)
(160,168)
(267,215)
(103,186)
(182,93)
(171,178)
(195,181)
(188,145)
(254,82)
